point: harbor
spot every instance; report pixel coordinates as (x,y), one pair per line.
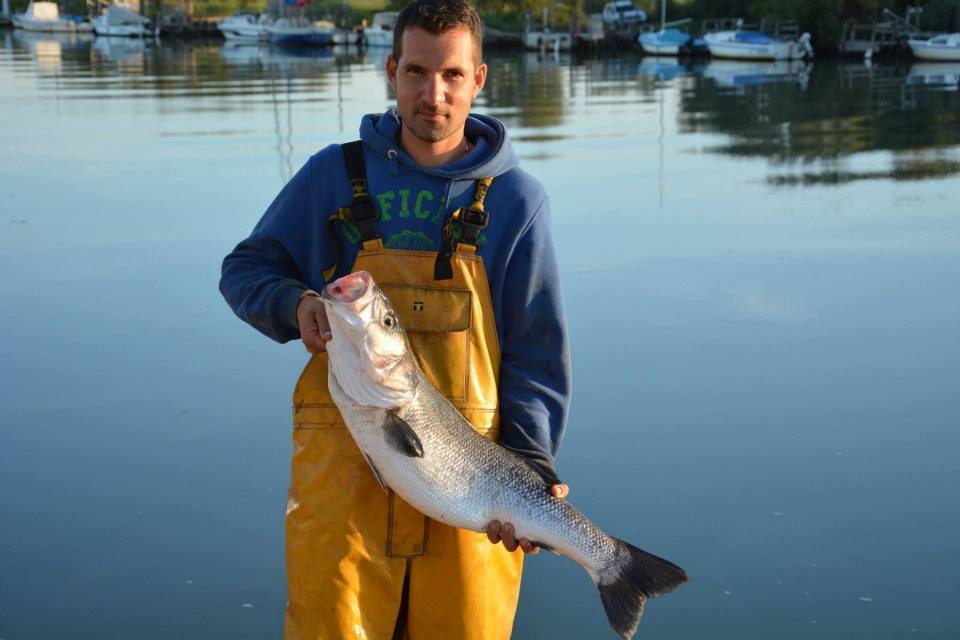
(759,262)
(617,25)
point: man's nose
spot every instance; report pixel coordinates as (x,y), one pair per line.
(435,90)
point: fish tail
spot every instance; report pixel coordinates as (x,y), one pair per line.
(629,580)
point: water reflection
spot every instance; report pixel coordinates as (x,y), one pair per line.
(820,116)
(945,75)
(739,75)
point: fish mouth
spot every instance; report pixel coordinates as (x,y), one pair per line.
(352,290)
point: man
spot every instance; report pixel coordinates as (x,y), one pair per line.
(434,205)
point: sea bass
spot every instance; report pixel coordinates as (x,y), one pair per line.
(420,446)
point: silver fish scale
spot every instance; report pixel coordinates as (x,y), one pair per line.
(475,481)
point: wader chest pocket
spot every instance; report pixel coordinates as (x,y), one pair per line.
(437,321)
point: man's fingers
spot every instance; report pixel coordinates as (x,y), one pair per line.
(529,547)
(560,491)
(313,324)
(493,532)
(506,533)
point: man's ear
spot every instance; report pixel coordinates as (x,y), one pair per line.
(479,79)
(392,71)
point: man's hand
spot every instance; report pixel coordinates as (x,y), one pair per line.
(497,531)
(312,321)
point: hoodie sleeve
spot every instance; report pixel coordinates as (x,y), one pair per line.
(535,365)
(262,279)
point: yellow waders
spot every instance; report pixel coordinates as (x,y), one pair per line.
(350,544)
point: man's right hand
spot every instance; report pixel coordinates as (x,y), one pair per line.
(312,321)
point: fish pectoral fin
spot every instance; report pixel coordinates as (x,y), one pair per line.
(376,474)
(402,436)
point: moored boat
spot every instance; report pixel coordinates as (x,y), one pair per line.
(754,45)
(945,47)
(380,31)
(119,19)
(245,27)
(298,32)
(45,16)
(670,42)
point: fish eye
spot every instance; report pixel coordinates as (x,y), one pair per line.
(389,321)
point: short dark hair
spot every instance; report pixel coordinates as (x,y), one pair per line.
(436,17)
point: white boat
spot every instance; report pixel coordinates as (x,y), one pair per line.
(380,31)
(245,27)
(669,41)
(45,16)
(754,45)
(943,47)
(287,32)
(119,19)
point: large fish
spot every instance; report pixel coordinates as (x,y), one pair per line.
(419,445)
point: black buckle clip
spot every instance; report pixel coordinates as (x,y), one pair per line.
(473,217)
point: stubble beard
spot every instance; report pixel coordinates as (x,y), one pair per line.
(428,133)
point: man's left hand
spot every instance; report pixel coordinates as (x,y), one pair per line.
(503,532)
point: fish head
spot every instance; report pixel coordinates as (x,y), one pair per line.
(369,352)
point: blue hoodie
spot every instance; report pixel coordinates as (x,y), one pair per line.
(265,275)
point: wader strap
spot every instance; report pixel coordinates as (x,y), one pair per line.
(473,220)
(361,213)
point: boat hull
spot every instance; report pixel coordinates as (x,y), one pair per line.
(102,28)
(50,26)
(311,39)
(755,51)
(925,51)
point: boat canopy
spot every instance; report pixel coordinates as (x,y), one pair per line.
(44,11)
(754,37)
(672,36)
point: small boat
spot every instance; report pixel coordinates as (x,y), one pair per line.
(670,42)
(45,16)
(245,27)
(299,32)
(380,31)
(754,45)
(119,19)
(945,46)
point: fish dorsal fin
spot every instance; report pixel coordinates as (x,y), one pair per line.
(401,436)
(376,474)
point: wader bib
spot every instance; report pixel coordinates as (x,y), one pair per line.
(353,549)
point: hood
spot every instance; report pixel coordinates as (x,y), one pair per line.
(492,154)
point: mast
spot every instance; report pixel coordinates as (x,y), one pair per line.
(663,14)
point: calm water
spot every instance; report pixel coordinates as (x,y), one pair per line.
(760,265)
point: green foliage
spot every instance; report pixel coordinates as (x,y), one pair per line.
(216,8)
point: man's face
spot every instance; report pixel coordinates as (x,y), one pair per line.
(436,80)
